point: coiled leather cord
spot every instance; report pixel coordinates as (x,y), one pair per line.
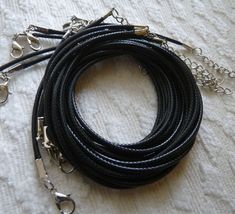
(119,166)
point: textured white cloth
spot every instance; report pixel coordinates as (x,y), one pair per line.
(119,103)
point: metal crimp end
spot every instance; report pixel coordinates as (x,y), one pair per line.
(41,169)
(188,47)
(159,40)
(108,14)
(42,134)
(141,30)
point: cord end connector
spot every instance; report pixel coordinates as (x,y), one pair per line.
(188,47)
(41,169)
(141,30)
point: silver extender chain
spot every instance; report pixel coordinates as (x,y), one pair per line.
(204,72)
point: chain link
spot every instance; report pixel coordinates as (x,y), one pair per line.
(203,76)
(118,18)
(214,66)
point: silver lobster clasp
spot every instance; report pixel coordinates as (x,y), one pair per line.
(4,91)
(17,49)
(33,41)
(64,203)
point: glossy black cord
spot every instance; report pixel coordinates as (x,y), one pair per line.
(118,166)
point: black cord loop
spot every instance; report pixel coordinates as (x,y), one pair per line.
(119,166)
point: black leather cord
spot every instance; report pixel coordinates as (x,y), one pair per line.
(119,166)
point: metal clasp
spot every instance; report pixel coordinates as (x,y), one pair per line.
(33,41)
(5,76)
(64,203)
(51,149)
(4,91)
(17,49)
(63,200)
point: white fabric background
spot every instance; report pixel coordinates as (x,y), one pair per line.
(119,102)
